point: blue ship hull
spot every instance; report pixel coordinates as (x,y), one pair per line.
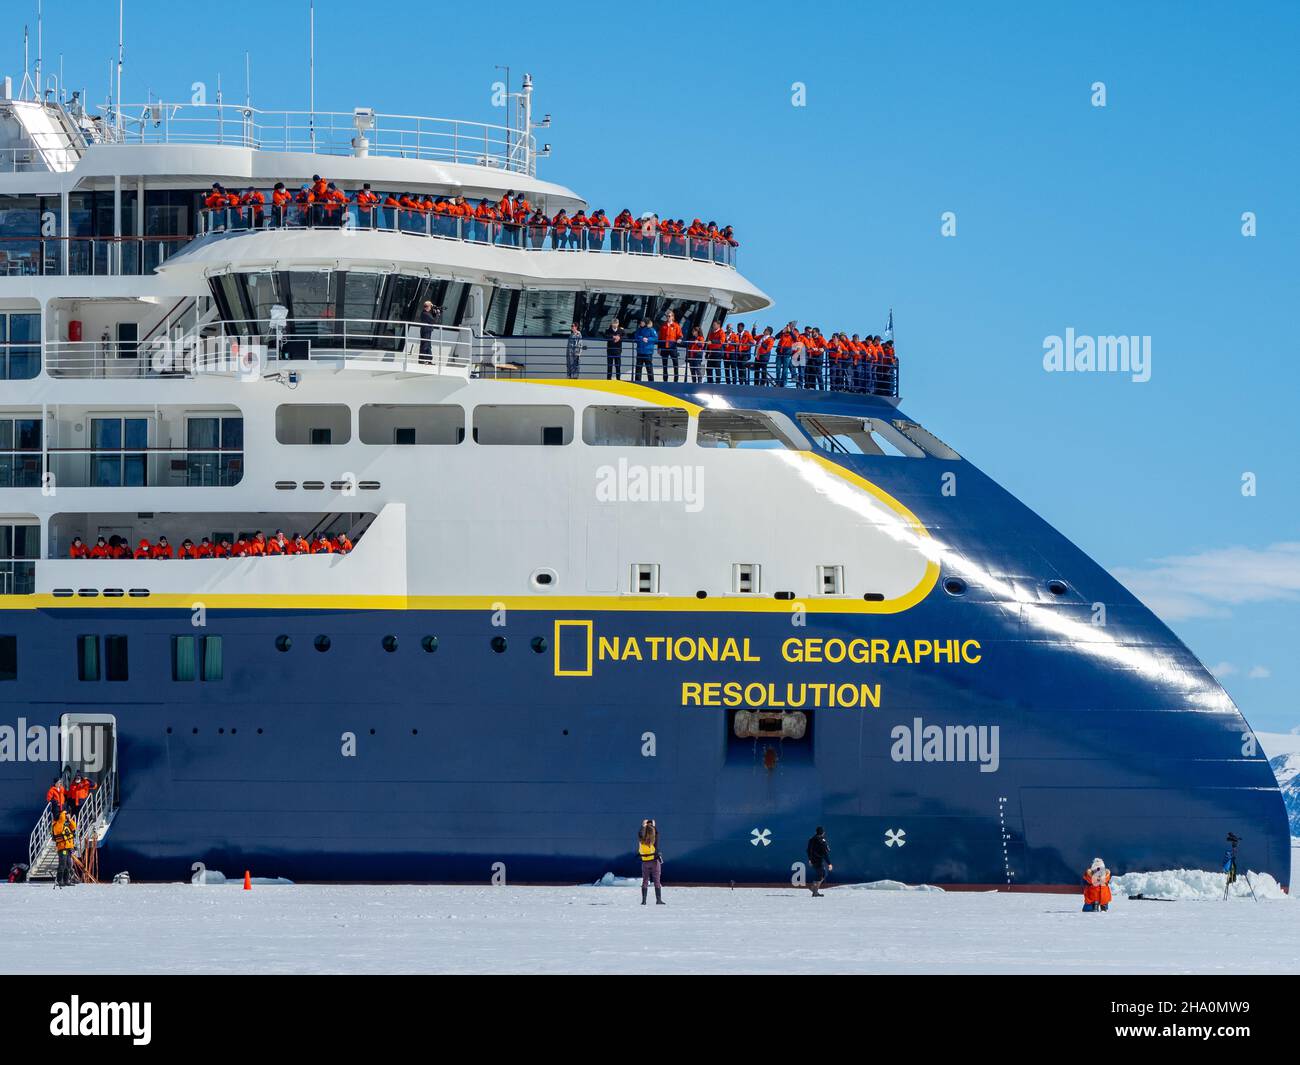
(538,762)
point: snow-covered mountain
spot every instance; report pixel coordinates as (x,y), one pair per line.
(1286,767)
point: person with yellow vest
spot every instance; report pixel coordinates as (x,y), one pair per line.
(64,833)
(652,862)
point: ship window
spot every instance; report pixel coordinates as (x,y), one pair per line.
(213,658)
(645,578)
(499,644)
(313,423)
(739,429)
(183,658)
(430,644)
(115,658)
(831,580)
(322,643)
(745,578)
(523,425)
(545,314)
(867,436)
(389,644)
(502,312)
(20,352)
(635,426)
(411,423)
(20,452)
(88,658)
(283,643)
(8,658)
(125,441)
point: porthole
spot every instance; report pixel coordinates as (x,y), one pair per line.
(322,644)
(1057,587)
(954,586)
(259,732)
(544,579)
(169,730)
(390,644)
(430,644)
(538,644)
(499,644)
(701,594)
(283,643)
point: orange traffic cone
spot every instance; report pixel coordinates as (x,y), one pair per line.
(248,881)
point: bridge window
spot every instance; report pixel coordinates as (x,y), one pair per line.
(411,423)
(313,423)
(8,658)
(635,426)
(523,425)
(745,429)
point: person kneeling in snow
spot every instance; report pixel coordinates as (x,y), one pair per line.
(1096,887)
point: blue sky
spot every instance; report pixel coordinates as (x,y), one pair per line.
(1117,220)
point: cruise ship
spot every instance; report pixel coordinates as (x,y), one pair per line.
(573,601)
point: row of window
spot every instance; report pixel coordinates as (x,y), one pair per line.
(746,579)
(553,425)
(200,658)
(319,301)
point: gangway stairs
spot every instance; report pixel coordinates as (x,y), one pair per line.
(93,822)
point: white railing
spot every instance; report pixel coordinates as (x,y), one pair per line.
(40,837)
(328,133)
(638,239)
(250,348)
(160,358)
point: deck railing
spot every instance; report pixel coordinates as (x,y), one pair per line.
(445,140)
(639,240)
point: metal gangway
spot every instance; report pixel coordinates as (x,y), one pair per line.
(94,818)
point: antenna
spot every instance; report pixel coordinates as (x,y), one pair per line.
(248,81)
(311,72)
(40,48)
(121,51)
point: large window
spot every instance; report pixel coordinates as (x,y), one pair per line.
(748,430)
(313,423)
(20,545)
(635,426)
(121,456)
(20,346)
(411,423)
(197,656)
(215,450)
(523,425)
(8,658)
(20,452)
(334,302)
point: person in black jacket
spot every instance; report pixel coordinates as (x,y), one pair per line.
(819,858)
(614,337)
(430,317)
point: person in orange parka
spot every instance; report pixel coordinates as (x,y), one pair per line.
(1096,887)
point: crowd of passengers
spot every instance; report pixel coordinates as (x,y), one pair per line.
(510,220)
(735,355)
(256,545)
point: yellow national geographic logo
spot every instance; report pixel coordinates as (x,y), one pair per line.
(573,648)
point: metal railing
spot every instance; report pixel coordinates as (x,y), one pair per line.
(33,159)
(145,467)
(86,256)
(40,836)
(328,133)
(688,364)
(249,348)
(161,358)
(520,236)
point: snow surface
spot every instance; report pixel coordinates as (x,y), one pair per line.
(184,928)
(1195,885)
